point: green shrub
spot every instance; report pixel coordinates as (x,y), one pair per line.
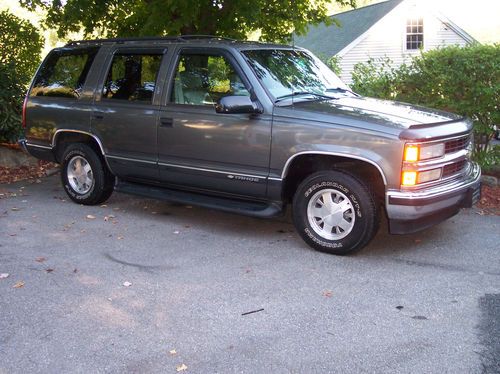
(375,78)
(334,64)
(11,96)
(465,81)
(20,46)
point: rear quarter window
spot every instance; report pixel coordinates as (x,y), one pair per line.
(63,73)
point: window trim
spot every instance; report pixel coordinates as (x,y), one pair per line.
(405,41)
(167,100)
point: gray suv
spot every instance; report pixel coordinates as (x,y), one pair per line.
(248,128)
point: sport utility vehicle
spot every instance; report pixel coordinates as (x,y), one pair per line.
(249,128)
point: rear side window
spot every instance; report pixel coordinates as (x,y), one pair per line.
(132,77)
(64,72)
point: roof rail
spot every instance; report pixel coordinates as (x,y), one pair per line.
(179,38)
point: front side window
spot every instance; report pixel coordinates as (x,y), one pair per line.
(414,34)
(64,72)
(132,77)
(289,72)
(203,79)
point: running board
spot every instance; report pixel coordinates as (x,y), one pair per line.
(244,207)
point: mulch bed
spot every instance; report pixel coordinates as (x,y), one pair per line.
(490,201)
(11,175)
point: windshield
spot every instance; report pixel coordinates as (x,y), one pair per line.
(287,73)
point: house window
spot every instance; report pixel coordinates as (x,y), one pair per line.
(414,33)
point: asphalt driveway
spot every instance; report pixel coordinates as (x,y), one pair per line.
(139,286)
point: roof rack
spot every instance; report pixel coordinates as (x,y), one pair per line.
(179,38)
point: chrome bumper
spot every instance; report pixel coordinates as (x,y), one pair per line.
(410,211)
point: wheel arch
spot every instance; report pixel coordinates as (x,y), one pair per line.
(303,164)
(68,136)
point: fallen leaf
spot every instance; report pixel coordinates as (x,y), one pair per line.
(181,367)
(4,275)
(18,284)
(327,293)
(40,259)
(120,238)
(127,284)
(90,216)
(173,352)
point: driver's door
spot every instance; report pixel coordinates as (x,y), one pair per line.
(202,149)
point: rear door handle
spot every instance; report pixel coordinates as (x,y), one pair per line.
(166,122)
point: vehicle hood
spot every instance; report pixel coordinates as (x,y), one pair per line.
(382,112)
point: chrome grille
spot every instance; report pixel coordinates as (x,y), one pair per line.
(457,144)
(454,168)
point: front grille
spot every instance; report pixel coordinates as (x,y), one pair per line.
(456,144)
(454,168)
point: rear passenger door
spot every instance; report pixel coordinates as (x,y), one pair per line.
(125,113)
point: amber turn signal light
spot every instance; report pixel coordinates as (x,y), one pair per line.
(411,153)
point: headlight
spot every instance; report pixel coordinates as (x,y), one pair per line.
(419,152)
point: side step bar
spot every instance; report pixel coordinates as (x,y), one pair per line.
(244,207)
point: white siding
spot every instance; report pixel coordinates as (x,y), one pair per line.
(387,38)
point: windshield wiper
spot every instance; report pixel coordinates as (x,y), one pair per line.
(298,93)
(340,89)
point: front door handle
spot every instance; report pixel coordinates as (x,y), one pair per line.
(166,122)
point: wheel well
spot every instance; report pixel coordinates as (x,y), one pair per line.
(305,165)
(65,138)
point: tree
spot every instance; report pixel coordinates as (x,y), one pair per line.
(20,46)
(229,18)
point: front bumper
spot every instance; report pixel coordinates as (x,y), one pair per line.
(411,211)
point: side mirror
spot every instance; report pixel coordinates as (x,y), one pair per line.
(237,104)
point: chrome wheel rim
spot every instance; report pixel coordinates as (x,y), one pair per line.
(80,176)
(331,214)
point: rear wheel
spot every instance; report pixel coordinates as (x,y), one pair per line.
(85,177)
(334,212)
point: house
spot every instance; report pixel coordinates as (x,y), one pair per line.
(397,29)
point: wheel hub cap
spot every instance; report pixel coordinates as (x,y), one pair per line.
(331,214)
(80,176)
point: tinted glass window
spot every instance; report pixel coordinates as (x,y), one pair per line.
(203,79)
(63,73)
(285,72)
(132,77)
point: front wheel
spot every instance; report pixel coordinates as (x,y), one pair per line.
(85,177)
(334,212)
